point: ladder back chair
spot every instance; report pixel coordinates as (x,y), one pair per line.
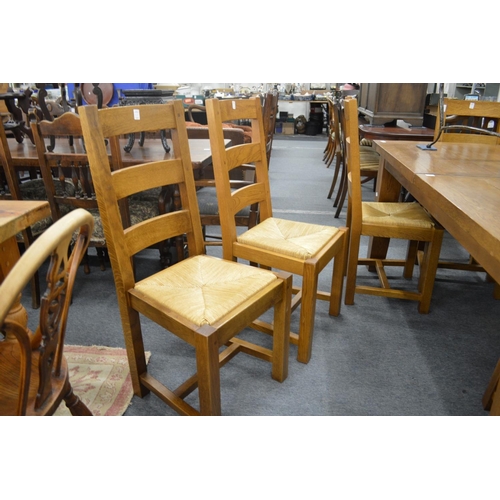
(327,152)
(34,376)
(270,112)
(470,122)
(334,144)
(242,176)
(66,175)
(203,300)
(368,161)
(69,184)
(401,220)
(299,248)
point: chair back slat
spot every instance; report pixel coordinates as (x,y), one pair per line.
(135,119)
(132,179)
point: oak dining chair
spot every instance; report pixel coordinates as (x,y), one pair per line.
(468,121)
(465,121)
(69,184)
(203,300)
(335,144)
(398,220)
(300,248)
(368,161)
(242,176)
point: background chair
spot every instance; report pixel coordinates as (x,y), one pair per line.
(203,300)
(33,371)
(368,158)
(192,122)
(68,182)
(335,144)
(269,115)
(469,122)
(407,221)
(300,248)
(241,176)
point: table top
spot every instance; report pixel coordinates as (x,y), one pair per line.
(374,132)
(24,154)
(459,184)
(16,215)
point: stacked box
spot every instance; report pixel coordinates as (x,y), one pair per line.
(289,128)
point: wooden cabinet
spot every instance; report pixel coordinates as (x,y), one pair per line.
(382,103)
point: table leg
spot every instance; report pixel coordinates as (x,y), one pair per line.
(491,398)
(9,255)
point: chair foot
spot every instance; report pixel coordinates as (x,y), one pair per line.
(74,404)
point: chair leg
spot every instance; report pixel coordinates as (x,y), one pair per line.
(411,256)
(134,344)
(352,267)
(342,180)
(331,156)
(327,151)
(85,262)
(428,271)
(339,265)
(342,193)
(489,395)
(207,364)
(101,258)
(335,176)
(74,404)
(35,291)
(307,313)
(281,333)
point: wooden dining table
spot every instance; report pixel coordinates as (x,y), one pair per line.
(15,216)
(395,133)
(459,184)
(24,154)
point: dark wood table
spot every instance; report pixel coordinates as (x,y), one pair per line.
(395,133)
(459,184)
(24,154)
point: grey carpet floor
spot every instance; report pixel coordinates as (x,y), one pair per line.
(379,357)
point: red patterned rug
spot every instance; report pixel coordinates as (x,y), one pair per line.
(100,377)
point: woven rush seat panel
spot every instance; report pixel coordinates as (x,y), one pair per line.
(396,214)
(204,289)
(295,239)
